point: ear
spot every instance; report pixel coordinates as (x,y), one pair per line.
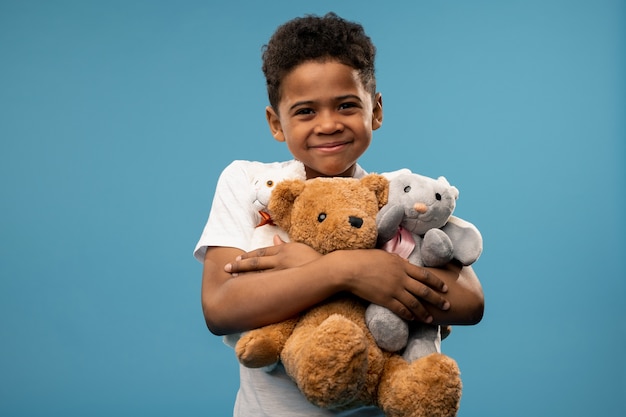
(379,185)
(274,123)
(282,200)
(377,112)
(454,192)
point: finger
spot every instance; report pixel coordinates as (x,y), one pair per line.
(401,310)
(260,252)
(245,265)
(278,240)
(415,309)
(427,278)
(426,294)
(229,268)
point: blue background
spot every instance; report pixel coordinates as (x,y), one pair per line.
(116,118)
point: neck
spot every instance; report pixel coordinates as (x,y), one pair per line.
(311,173)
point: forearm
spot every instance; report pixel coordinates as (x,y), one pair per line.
(284,288)
(231,304)
(464,293)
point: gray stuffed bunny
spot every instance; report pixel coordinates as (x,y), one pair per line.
(417,224)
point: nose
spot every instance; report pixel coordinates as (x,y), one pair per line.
(328,124)
(355,221)
(420,207)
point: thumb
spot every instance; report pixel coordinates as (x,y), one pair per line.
(278,240)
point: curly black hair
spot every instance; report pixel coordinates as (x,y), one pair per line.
(314,38)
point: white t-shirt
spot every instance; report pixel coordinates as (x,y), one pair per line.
(231,223)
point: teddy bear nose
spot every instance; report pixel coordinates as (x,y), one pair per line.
(355,221)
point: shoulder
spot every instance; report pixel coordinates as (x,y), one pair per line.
(251,169)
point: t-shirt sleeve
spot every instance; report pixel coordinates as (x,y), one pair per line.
(232,218)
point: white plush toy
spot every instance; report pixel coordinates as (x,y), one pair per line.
(263,183)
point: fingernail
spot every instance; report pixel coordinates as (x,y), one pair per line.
(446,305)
(444,288)
(429,319)
(228,267)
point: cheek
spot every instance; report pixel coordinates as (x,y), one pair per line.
(294,135)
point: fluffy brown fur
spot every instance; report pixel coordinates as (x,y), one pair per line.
(328,350)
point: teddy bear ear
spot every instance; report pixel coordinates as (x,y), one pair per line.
(379,185)
(282,199)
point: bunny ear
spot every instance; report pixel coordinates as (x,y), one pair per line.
(454,192)
(281,201)
(379,185)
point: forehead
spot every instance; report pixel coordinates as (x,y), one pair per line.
(314,81)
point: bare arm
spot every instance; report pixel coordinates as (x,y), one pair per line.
(465,295)
(294,277)
(249,300)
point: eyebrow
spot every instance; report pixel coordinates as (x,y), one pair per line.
(338,98)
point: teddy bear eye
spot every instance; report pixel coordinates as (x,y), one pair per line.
(321,217)
(269,183)
(407,188)
(438,196)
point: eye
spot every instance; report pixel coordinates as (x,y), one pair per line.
(321,217)
(438,196)
(407,188)
(269,183)
(347,105)
(304,112)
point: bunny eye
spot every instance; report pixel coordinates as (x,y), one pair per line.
(321,217)
(438,196)
(269,183)
(407,188)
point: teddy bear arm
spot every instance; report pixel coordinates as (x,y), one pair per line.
(262,347)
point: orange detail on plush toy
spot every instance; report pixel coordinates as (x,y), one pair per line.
(265,219)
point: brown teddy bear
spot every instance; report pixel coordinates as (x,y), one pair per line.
(328,350)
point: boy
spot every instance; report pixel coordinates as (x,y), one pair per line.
(324,106)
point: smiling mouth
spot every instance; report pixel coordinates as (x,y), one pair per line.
(330,146)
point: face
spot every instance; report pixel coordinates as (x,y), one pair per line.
(326,117)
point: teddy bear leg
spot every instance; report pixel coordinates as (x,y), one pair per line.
(261,347)
(428,387)
(329,363)
(424,339)
(389,331)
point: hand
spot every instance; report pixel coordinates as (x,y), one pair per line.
(282,255)
(393,282)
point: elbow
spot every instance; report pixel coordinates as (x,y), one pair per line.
(475,315)
(475,309)
(474,306)
(214,327)
(214,322)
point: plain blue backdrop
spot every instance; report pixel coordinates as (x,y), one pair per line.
(116,118)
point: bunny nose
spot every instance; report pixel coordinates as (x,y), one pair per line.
(355,222)
(420,207)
